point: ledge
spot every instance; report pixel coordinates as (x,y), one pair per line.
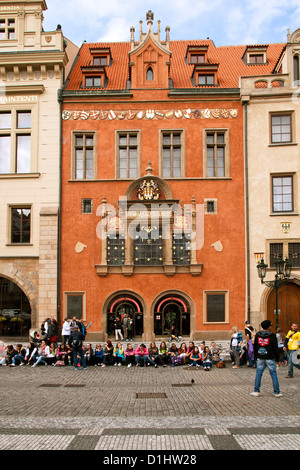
(167,269)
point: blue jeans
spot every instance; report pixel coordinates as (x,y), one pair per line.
(81,354)
(143,358)
(290,362)
(271,365)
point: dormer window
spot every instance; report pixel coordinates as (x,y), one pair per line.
(93,82)
(206,79)
(205,75)
(101,57)
(100,60)
(255,55)
(197,58)
(196,55)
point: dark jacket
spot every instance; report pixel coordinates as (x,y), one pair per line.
(76,336)
(266,346)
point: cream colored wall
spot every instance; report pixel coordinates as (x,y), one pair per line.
(263,160)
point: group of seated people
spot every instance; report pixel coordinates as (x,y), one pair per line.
(110,355)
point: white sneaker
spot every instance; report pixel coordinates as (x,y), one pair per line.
(129,365)
(278,395)
(255,394)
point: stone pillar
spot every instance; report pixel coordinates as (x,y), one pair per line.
(48,264)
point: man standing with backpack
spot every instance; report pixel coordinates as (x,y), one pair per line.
(75,342)
(266,354)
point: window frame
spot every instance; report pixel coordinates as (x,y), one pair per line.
(85,134)
(172,132)
(68,294)
(128,133)
(286,244)
(226,146)
(14,132)
(291,125)
(22,207)
(7,28)
(277,176)
(224,293)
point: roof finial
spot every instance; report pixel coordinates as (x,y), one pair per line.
(149,168)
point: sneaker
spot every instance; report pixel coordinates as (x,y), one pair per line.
(119,365)
(85,368)
(76,368)
(103,365)
(278,395)
(137,365)
(255,394)
(129,365)
(12,365)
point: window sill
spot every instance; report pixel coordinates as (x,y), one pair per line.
(167,270)
(283,144)
(19,175)
(274,214)
(19,244)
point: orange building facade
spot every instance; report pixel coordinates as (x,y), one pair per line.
(153,188)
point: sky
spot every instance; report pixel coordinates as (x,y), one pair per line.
(226,22)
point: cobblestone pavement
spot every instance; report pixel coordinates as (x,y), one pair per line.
(121,409)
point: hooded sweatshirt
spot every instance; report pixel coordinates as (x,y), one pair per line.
(266,346)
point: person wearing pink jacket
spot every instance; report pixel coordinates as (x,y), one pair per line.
(141,355)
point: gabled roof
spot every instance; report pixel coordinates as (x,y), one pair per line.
(230,60)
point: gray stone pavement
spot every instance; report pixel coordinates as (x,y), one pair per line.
(148,409)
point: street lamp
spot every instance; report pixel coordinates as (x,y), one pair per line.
(283,272)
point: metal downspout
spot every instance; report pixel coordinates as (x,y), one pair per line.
(247,206)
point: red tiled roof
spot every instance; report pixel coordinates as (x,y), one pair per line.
(229,58)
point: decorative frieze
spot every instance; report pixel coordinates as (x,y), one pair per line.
(149,114)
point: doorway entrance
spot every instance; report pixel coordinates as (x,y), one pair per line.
(123,305)
(15,310)
(172,310)
(288,306)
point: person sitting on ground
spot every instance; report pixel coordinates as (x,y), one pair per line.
(163,357)
(31,354)
(215,353)
(98,355)
(129,355)
(174,359)
(141,355)
(153,355)
(119,355)
(182,352)
(9,354)
(19,358)
(62,355)
(89,355)
(108,354)
(196,357)
(43,351)
(206,358)
(190,351)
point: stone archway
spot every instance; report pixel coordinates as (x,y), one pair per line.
(15,309)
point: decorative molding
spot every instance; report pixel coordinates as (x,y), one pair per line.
(149,114)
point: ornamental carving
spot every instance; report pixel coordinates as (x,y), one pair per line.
(149,114)
(148,191)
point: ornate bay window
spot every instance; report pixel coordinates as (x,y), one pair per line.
(149,233)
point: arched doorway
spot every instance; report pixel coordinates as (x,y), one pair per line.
(288,306)
(15,310)
(172,310)
(125,304)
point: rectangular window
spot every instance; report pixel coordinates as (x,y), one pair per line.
(281,128)
(216,154)
(15,144)
(101,60)
(197,58)
(115,249)
(93,82)
(256,58)
(148,248)
(215,307)
(87,206)
(20,225)
(181,249)
(294,254)
(7,29)
(84,156)
(75,306)
(282,193)
(172,159)
(128,151)
(276,252)
(206,79)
